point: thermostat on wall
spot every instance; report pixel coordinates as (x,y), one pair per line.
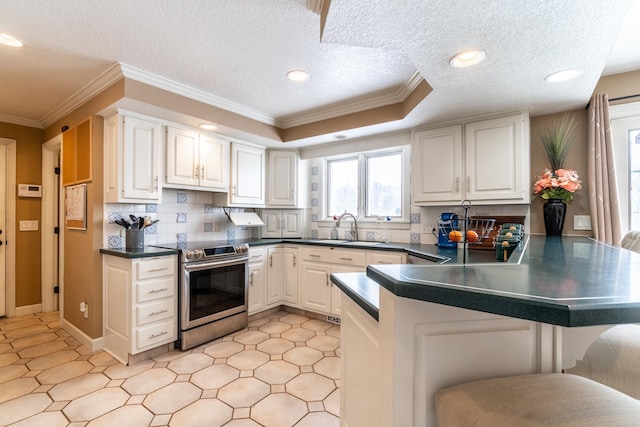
(29,190)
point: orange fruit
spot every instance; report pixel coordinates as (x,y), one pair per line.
(455,236)
(472,236)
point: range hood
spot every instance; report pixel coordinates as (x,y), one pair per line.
(245,219)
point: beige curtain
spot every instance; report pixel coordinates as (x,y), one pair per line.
(603,189)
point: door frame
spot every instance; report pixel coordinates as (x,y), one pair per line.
(49,204)
(10,223)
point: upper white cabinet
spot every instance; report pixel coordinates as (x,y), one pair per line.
(485,161)
(282,223)
(247,177)
(282,179)
(196,160)
(132,159)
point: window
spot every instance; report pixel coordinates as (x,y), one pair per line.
(369,185)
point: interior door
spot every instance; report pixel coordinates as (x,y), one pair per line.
(3,195)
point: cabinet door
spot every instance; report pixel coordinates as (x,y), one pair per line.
(336,293)
(437,165)
(283,170)
(141,159)
(290,285)
(257,281)
(291,223)
(497,160)
(247,175)
(182,157)
(316,289)
(272,219)
(275,276)
(214,161)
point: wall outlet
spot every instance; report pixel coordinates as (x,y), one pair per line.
(29,225)
(582,222)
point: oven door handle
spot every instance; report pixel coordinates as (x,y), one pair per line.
(199,266)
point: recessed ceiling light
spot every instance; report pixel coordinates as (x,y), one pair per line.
(9,40)
(561,76)
(297,75)
(467,58)
(208,126)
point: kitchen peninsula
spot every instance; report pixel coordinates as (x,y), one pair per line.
(408,331)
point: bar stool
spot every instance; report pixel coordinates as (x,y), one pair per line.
(534,401)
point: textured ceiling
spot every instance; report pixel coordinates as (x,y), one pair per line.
(240,50)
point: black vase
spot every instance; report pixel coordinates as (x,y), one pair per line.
(554,212)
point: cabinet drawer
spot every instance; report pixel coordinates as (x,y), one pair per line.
(161,288)
(317,255)
(256,255)
(155,311)
(155,267)
(386,258)
(156,334)
(349,258)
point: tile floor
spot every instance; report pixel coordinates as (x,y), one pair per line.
(282,371)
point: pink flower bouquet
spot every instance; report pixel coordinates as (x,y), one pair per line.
(560,184)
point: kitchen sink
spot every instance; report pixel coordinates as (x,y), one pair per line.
(363,243)
(329,241)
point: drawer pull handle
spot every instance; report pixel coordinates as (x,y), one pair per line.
(158,335)
(155,291)
(155,313)
(314,256)
(154,270)
(255,256)
(347,259)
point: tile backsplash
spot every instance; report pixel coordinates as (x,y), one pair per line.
(184,216)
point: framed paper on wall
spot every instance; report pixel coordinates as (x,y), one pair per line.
(75,207)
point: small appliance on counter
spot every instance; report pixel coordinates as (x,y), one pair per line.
(447,222)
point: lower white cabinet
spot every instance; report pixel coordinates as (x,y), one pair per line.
(140,304)
(273,277)
(257,280)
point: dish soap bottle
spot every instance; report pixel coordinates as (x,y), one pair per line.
(334,234)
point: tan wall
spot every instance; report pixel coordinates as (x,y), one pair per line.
(28,171)
(620,85)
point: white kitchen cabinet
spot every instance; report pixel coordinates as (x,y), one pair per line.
(132,159)
(140,304)
(282,276)
(485,161)
(290,285)
(282,179)
(196,160)
(386,257)
(247,176)
(285,223)
(257,281)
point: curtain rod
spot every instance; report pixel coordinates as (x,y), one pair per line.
(620,98)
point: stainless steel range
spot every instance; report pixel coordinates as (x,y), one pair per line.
(212,291)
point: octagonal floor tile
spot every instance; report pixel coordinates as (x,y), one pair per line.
(64,372)
(332,403)
(243,422)
(319,419)
(310,387)
(23,407)
(49,419)
(149,381)
(298,334)
(215,376)
(324,343)
(303,356)
(244,392)
(329,367)
(275,327)
(32,340)
(294,319)
(223,349)
(129,415)
(275,345)
(79,386)
(251,337)
(333,331)
(190,363)
(42,349)
(316,325)
(17,387)
(276,372)
(172,398)
(102,359)
(95,404)
(280,409)
(203,413)
(120,371)
(52,360)
(248,359)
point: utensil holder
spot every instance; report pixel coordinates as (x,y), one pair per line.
(134,239)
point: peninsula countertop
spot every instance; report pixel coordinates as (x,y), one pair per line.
(565,281)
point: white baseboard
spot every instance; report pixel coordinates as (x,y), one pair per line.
(28,309)
(93,344)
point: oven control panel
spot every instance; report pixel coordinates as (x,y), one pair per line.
(226,251)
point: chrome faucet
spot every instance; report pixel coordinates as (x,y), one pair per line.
(354,233)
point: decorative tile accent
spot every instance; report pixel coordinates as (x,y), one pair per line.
(209,208)
(231,235)
(415,238)
(181,218)
(152,229)
(371,235)
(314,218)
(152,208)
(208,227)
(182,197)
(314,202)
(314,186)
(114,242)
(348,235)
(182,237)
(415,218)
(113,216)
(314,170)
(314,234)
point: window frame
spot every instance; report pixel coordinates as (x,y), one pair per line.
(325,220)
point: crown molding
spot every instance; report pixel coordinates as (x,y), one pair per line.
(20,121)
(393,98)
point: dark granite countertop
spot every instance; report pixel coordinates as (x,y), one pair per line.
(147,251)
(566,281)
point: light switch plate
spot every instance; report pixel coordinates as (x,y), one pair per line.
(582,222)
(29,225)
